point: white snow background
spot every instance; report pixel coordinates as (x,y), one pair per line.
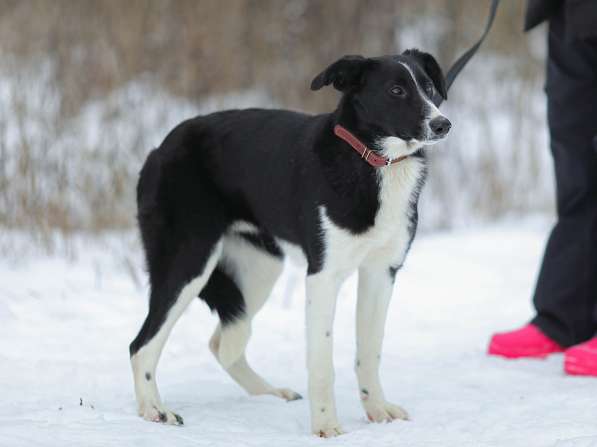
(66,322)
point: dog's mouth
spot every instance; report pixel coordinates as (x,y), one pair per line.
(430,138)
(415,143)
(401,144)
(434,140)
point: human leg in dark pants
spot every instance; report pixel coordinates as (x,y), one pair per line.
(566,292)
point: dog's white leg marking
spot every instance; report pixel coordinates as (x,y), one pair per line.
(145,360)
(374,294)
(233,341)
(322,290)
(255,273)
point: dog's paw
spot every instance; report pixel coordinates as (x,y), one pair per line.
(384,411)
(286,394)
(328,431)
(154,414)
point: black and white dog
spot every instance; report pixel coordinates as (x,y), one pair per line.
(227,196)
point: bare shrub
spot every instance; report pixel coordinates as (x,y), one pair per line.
(88,87)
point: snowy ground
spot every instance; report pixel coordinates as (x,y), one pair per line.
(64,375)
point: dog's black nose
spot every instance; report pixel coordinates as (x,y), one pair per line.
(440,126)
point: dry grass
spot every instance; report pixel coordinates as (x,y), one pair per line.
(61,56)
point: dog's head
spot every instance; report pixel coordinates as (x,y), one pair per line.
(391,97)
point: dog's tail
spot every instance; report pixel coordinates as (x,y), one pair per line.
(150,217)
(147,187)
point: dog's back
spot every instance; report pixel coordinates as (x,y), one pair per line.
(213,164)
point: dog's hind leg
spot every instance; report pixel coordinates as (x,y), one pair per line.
(242,373)
(246,277)
(182,274)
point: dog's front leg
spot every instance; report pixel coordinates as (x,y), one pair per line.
(374,293)
(322,291)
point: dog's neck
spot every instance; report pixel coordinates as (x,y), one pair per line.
(348,117)
(371,135)
(374,158)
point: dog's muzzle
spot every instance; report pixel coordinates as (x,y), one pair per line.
(440,127)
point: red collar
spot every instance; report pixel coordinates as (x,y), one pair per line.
(377,161)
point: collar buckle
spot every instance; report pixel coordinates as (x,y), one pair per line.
(367,154)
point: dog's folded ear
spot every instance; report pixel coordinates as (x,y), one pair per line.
(432,68)
(345,73)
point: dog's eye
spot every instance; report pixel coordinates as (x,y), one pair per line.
(398,91)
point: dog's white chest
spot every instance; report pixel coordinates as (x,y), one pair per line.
(387,240)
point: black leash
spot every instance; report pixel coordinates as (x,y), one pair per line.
(461,62)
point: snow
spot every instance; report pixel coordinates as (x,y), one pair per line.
(66,322)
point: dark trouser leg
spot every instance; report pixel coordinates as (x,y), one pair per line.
(566,293)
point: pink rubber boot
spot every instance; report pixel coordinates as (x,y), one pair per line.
(527,341)
(581,360)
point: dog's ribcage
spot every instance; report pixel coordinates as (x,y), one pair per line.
(386,242)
